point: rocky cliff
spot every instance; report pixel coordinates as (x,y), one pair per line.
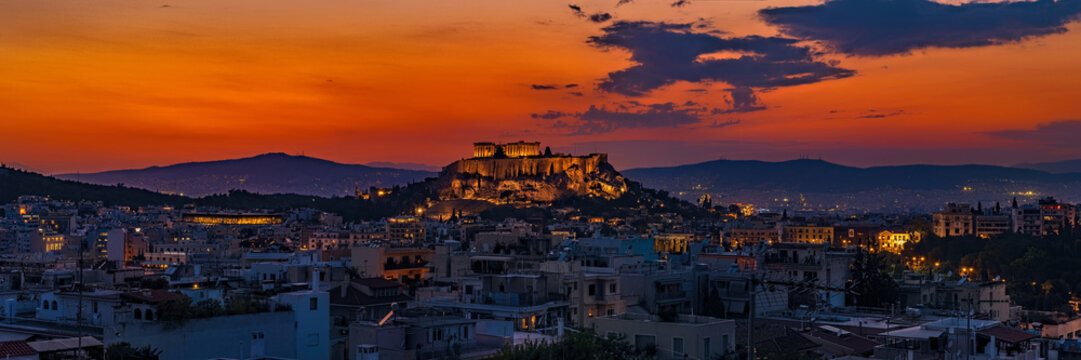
(530,180)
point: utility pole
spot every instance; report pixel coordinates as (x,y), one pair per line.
(750,321)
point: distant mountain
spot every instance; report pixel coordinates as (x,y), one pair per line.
(824,185)
(404,166)
(271,173)
(1056,167)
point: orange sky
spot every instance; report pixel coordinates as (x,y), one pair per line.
(89,86)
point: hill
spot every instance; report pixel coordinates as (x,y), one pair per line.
(271,173)
(1055,167)
(15,183)
(822,185)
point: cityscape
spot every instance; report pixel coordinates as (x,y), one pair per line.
(616,179)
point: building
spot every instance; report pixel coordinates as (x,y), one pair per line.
(954,220)
(812,267)
(404,230)
(895,240)
(593,294)
(861,236)
(741,236)
(1047,217)
(808,234)
(681,337)
(988,225)
(232,219)
(510,150)
(407,265)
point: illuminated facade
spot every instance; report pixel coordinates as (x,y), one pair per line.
(511,150)
(45,241)
(672,243)
(895,241)
(232,219)
(405,230)
(738,237)
(808,234)
(954,220)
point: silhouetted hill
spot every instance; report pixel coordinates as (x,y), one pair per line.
(15,183)
(824,186)
(1055,167)
(271,173)
(823,176)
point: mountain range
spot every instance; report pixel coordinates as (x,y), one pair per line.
(271,173)
(1056,167)
(821,185)
(818,184)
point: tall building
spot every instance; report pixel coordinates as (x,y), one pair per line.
(405,230)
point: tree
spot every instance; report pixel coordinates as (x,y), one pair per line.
(573,346)
(124,351)
(872,286)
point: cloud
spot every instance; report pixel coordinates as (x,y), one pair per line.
(720,124)
(887,27)
(624,2)
(550,115)
(600,17)
(1061,134)
(874,114)
(742,100)
(670,52)
(681,3)
(628,115)
(577,10)
(543,87)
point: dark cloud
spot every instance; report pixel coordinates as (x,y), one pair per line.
(721,124)
(886,27)
(875,114)
(600,17)
(576,93)
(681,3)
(1061,134)
(668,52)
(570,86)
(543,87)
(577,10)
(624,2)
(742,100)
(627,115)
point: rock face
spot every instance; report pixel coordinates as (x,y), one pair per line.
(530,180)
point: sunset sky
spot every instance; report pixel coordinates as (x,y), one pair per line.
(97,85)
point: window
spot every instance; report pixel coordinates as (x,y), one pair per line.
(611,288)
(592,289)
(611,312)
(45,304)
(313,303)
(707,352)
(643,342)
(677,346)
(724,344)
(138,314)
(149,314)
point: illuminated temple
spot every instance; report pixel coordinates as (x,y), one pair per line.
(510,150)
(232,219)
